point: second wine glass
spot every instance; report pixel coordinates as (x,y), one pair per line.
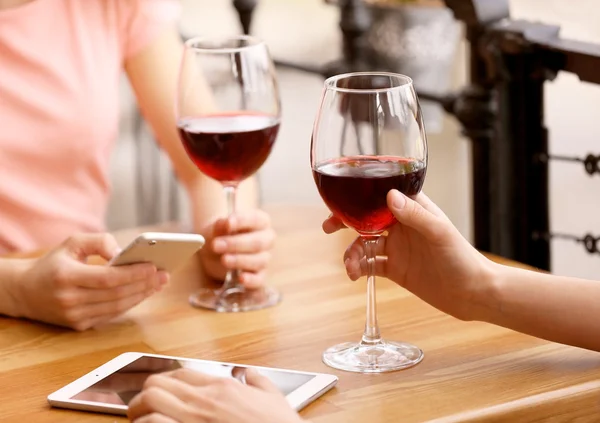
(368,139)
(228,114)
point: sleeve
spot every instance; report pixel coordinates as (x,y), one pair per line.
(143,20)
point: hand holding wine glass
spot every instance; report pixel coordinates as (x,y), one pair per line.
(368,139)
(229,142)
(425,254)
(240,243)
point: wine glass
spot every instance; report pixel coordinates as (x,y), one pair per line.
(228,113)
(368,138)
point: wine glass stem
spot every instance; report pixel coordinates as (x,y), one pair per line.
(232,277)
(371,335)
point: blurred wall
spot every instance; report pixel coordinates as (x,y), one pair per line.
(573,119)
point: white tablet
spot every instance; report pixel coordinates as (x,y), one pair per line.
(110,387)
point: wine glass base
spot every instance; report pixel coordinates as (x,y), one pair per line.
(381,357)
(235,300)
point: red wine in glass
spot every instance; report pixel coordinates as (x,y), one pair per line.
(355,188)
(228,112)
(229,147)
(369,138)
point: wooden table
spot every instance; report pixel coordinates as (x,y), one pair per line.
(471,371)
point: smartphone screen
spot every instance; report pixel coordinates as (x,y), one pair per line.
(120,387)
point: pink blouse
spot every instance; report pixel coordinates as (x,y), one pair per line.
(60,64)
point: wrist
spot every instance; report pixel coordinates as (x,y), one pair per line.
(12,273)
(487,296)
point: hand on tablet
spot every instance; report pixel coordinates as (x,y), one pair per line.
(241,242)
(192,397)
(121,386)
(60,288)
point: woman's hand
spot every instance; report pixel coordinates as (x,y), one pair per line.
(425,254)
(243,241)
(120,387)
(192,397)
(60,288)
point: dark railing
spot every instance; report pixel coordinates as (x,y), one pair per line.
(501,111)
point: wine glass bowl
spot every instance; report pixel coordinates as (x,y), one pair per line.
(228,114)
(355,188)
(368,138)
(229,148)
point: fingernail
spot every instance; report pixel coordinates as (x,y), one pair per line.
(232,223)
(398,200)
(219,245)
(148,270)
(228,260)
(246,280)
(163,278)
(351,270)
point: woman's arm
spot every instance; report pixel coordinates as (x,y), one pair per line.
(153,74)
(61,288)
(427,255)
(560,309)
(11,271)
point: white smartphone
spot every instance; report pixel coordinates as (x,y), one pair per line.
(167,251)
(110,387)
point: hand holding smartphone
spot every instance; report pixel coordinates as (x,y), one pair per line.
(167,251)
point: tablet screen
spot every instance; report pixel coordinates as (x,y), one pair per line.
(120,387)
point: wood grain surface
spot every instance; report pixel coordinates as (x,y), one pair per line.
(472,372)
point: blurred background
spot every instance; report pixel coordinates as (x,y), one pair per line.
(306,31)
